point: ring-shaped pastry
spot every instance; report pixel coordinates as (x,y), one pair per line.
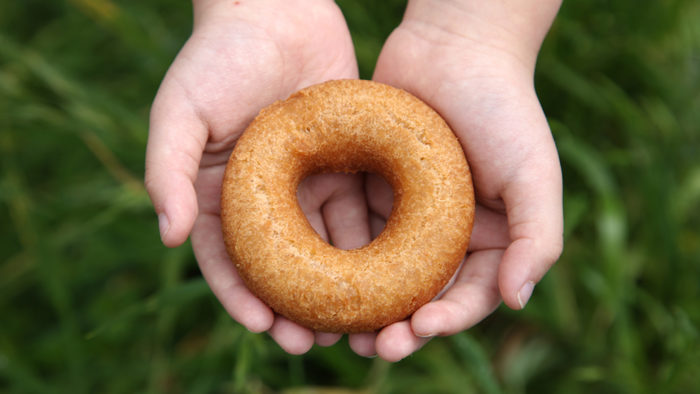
(347,126)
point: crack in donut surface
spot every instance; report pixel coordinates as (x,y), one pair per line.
(347,126)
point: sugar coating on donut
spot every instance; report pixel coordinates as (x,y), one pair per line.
(347,126)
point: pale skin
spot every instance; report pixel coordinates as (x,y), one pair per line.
(472,61)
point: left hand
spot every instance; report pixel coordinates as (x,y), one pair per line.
(481,82)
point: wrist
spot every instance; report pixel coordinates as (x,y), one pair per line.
(516,28)
(208,10)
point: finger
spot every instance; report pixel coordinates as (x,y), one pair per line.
(376,224)
(176,140)
(311,202)
(534,204)
(292,338)
(346,215)
(341,199)
(327,338)
(473,296)
(397,341)
(220,273)
(380,195)
(363,343)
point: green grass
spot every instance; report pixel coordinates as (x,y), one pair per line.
(91,302)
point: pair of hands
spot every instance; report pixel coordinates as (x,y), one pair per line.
(471,62)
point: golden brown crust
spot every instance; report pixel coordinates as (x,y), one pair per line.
(347,126)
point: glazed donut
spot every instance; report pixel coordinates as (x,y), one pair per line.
(347,126)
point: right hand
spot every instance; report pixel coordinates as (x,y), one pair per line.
(242,56)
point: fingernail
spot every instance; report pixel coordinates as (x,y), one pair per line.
(525,293)
(163,224)
(426,336)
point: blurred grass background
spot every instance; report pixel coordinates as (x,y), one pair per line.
(91,302)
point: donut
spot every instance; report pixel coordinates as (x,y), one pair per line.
(347,126)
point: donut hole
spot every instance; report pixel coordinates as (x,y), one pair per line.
(334,204)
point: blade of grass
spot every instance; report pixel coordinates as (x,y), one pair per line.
(185,292)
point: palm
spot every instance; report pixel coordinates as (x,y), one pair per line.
(227,72)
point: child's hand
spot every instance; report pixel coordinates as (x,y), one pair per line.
(473,62)
(240,58)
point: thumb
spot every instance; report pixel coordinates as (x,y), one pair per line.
(533,201)
(176,140)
